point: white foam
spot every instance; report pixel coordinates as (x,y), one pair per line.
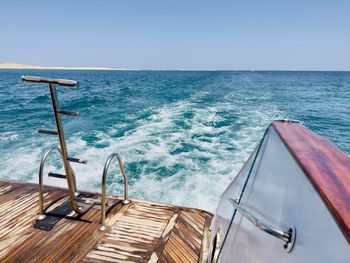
(208,164)
(8,136)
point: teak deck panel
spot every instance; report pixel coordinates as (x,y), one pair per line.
(327,168)
(139,232)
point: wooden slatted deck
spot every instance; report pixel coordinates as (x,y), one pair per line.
(139,232)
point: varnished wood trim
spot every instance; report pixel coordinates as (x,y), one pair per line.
(327,168)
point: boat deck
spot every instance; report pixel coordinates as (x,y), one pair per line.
(139,232)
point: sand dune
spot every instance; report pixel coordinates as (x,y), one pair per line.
(21,66)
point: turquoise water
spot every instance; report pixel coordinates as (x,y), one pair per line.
(183,135)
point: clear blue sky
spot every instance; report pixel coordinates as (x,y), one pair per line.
(146,34)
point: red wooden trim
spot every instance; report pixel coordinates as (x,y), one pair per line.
(324,164)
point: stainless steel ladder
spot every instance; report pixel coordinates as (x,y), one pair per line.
(69,173)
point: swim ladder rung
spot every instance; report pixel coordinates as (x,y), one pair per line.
(77,160)
(56,175)
(69,113)
(48,132)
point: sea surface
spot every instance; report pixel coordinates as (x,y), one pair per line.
(183,135)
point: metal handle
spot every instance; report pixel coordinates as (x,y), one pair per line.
(287,236)
(60,82)
(102,227)
(41,175)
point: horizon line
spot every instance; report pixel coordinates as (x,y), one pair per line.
(32,67)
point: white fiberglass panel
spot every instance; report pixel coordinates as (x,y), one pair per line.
(280,194)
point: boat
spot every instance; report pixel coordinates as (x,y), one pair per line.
(290,202)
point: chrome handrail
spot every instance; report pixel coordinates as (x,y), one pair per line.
(287,236)
(125,201)
(42,215)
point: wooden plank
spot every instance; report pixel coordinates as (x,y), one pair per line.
(139,232)
(205,240)
(129,239)
(196,241)
(185,250)
(167,257)
(186,239)
(164,237)
(162,260)
(16,226)
(172,253)
(193,228)
(197,217)
(179,251)
(194,224)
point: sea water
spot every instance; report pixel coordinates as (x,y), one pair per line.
(183,135)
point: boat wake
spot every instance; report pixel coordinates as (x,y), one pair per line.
(181,153)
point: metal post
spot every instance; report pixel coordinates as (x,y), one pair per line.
(67,168)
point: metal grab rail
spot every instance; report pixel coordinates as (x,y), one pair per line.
(61,82)
(125,201)
(42,215)
(287,236)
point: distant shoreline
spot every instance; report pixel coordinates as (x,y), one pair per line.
(22,66)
